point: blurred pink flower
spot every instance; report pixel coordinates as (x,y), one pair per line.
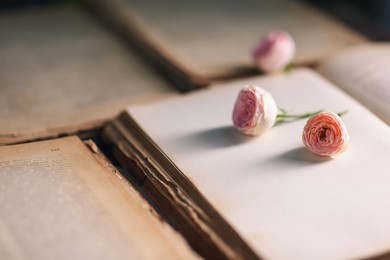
(255,111)
(325,134)
(274,52)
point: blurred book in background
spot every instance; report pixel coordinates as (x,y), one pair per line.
(199,42)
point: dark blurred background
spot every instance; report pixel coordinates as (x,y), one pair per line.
(5,4)
(371,17)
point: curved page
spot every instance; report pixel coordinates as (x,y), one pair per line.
(215,39)
(61,71)
(62,200)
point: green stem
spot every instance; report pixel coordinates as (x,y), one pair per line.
(288,67)
(342,113)
(297,116)
(282,111)
(284,117)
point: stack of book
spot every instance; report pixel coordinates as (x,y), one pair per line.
(154,84)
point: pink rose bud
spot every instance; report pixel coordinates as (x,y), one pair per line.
(325,134)
(274,52)
(255,111)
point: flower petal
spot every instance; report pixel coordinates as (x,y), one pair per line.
(325,134)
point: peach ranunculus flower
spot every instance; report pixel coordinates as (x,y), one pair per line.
(325,134)
(255,111)
(274,52)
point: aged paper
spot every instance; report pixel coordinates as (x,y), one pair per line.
(363,72)
(284,201)
(61,71)
(215,38)
(58,201)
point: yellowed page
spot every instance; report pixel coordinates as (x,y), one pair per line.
(363,72)
(215,38)
(62,71)
(284,201)
(58,201)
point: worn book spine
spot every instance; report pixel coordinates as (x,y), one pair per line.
(207,232)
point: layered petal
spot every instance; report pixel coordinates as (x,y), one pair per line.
(325,134)
(274,52)
(255,111)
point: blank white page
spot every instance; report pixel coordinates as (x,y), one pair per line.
(285,202)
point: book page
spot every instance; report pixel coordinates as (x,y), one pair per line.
(59,202)
(216,38)
(363,72)
(61,71)
(285,202)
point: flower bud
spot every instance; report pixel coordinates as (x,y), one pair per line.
(325,134)
(255,111)
(274,52)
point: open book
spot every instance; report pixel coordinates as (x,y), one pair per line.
(229,195)
(250,197)
(61,199)
(201,41)
(62,72)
